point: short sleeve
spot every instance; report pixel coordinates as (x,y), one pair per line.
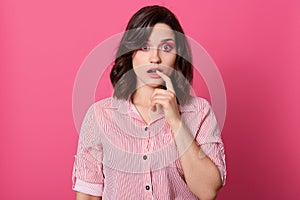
(209,139)
(87,170)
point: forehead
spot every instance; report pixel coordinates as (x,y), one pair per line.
(160,32)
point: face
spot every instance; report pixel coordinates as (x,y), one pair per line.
(158,53)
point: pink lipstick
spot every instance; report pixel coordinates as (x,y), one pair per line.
(152,72)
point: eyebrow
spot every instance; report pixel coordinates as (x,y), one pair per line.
(168,39)
(164,40)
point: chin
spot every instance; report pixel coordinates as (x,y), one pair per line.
(155,84)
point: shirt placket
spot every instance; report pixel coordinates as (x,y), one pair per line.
(146,156)
(148,148)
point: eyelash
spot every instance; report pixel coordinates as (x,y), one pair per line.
(146,47)
(170,47)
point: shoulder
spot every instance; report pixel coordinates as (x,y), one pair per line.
(105,103)
(197,104)
(101,108)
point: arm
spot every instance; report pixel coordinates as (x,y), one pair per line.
(201,174)
(87,175)
(82,196)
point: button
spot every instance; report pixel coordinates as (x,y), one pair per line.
(146,128)
(145,157)
(147,187)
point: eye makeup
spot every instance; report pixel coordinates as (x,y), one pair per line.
(166,45)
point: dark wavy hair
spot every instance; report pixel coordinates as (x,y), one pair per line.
(137,32)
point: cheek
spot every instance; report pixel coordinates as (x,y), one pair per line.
(170,60)
(138,59)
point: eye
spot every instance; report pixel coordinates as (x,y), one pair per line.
(167,47)
(145,47)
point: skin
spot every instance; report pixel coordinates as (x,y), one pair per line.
(201,174)
(82,196)
(161,38)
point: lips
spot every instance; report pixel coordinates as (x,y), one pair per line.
(153,70)
(152,73)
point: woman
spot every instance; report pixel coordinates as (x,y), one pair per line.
(152,139)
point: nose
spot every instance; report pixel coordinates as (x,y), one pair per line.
(154,56)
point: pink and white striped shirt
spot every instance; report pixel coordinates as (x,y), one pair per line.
(121,157)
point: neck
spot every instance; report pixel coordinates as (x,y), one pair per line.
(142,96)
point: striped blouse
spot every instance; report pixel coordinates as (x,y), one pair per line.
(119,156)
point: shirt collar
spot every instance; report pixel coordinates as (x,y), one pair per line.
(126,106)
(122,105)
(191,106)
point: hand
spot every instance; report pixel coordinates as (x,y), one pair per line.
(167,99)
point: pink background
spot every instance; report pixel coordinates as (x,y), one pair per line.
(254,43)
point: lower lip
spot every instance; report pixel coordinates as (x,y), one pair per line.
(154,75)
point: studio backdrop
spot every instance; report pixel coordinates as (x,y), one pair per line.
(254,45)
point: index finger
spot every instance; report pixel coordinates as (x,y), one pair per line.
(167,80)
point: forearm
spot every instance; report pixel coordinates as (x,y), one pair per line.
(82,196)
(201,174)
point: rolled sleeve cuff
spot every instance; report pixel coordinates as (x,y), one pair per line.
(222,174)
(88,188)
(215,151)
